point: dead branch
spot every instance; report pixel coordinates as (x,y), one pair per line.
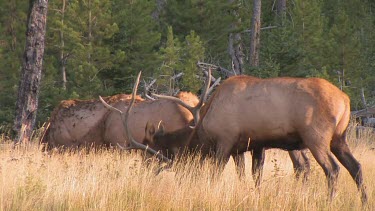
(205,66)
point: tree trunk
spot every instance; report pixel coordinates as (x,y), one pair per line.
(90,33)
(234,44)
(281,7)
(255,34)
(62,46)
(281,10)
(160,5)
(28,90)
(363,98)
(12,30)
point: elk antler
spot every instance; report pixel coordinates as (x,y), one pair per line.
(216,83)
(125,116)
(196,109)
(147,89)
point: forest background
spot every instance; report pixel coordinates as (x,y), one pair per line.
(96,47)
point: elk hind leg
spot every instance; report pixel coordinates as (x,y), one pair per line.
(326,160)
(341,150)
(301,163)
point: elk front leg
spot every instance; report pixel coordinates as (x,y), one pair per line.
(222,156)
(239,162)
(258,156)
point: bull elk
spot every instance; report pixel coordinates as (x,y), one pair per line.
(76,123)
(252,114)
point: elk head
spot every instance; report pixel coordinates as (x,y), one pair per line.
(168,143)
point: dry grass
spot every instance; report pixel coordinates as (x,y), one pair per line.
(107,180)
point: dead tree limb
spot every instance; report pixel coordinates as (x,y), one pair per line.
(225,72)
(263,28)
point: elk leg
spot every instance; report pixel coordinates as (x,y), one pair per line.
(331,169)
(301,163)
(239,162)
(222,156)
(341,150)
(258,156)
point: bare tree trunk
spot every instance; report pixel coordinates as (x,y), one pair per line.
(255,34)
(90,33)
(281,10)
(62,46)
(28,90)
(364,119)
(281,7)
(363,98)
(160,5)
(234,44)
(12,30)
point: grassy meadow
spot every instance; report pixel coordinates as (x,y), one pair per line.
(111,180)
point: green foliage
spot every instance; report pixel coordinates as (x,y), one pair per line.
(209,19)
(171,63)
(12,38)
(345,47)
(182,58)
(138,37)
(194,51)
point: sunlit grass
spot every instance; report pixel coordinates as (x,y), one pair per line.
(111,180)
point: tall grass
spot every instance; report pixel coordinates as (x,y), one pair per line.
(111,180)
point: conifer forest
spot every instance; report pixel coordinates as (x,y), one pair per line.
(97,47)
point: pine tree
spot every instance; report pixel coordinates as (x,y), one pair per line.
(138,37)
(345,48)
(307,26)
(193,52)
(171,63)
(92,56)
(13,15)
(210,20)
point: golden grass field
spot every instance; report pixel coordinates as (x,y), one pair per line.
(110,180)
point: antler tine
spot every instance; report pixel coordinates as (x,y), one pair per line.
(109,106)
(175,99)
(203,98)
(217,81)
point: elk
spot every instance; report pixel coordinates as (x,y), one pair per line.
(76,123)
(251,114)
